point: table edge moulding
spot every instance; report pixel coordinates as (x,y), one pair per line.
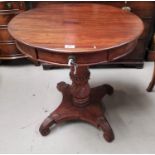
(87,45)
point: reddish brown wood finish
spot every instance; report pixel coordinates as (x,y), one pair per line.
(146,11)
(4,35)
(8,48)
(90,28)
(80,103)
(59,58)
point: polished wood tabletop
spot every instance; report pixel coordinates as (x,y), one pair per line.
(76,27)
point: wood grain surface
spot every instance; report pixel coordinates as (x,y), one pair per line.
(76,28)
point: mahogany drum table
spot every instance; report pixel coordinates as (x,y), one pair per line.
(77,35)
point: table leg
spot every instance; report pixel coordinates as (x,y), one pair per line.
(152,83)
(80,102)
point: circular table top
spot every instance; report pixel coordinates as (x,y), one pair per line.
(76,27)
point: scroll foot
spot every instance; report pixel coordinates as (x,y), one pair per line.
(109,89)
(62,86)
(108,133)
(45,126)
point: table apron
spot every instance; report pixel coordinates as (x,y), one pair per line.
(83,59)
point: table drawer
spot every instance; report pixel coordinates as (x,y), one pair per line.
(4,35)
(8,49)
(6,17)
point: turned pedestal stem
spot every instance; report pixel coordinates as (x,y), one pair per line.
(80,88)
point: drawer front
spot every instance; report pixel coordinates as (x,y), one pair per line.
(8,49)
(4,35)
(4,6)
(6,17)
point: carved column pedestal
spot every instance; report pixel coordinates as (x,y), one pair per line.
(80,102)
